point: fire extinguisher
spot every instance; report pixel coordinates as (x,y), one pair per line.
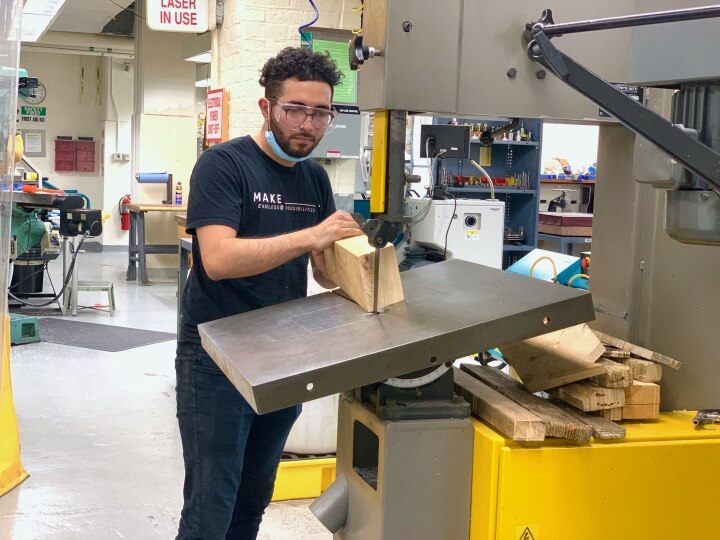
(124,213)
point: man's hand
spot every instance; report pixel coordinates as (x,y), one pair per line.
(320,271)
(336,227)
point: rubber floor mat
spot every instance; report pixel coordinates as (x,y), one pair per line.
(101,337)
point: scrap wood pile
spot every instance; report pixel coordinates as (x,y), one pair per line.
(592,379)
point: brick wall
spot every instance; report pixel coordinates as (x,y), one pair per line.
(255,30)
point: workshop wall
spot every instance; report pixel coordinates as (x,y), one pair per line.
(74,106)
(254,31)
(164,127)
(117,129)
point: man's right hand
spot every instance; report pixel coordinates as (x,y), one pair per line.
(336,227)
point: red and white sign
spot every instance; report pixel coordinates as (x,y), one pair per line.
(177,15)
(214,116)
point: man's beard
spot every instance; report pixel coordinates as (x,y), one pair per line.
(285,143)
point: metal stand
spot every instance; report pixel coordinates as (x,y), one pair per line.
(402,452)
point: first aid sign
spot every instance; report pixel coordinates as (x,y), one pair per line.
(177,15)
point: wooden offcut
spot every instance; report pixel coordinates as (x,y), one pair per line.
(616,354)
(509,418)
(616,375)
(639,352)
(641,412)
(614,414)
(556,358)
(589,396)
(351,265)
(557,422)
(602,428)
(642,393)
(642,401)
(644,370)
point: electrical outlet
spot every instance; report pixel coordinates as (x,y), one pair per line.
(126,157)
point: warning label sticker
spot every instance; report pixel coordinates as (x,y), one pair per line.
(527,533)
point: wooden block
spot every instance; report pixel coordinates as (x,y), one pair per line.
(642,393)
(509,418)
(644,370)
(589,396)
(616,376)
(614,414)
(557,422)
(556,358)
(602,428)
(637,351)
(641,412)
(351,265)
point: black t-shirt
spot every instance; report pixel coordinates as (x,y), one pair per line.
(236,184)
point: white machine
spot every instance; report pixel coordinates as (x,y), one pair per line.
(475,234)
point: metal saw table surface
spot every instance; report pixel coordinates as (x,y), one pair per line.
(324,344)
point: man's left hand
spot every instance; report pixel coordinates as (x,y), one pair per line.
(320,271)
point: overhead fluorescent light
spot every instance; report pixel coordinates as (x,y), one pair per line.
(202,58)
(37,16)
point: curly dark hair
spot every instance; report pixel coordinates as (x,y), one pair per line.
(298,63)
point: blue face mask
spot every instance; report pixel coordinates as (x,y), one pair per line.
(279,152)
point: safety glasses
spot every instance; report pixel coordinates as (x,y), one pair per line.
(296,115)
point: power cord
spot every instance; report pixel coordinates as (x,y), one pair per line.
(303,35)
(71,269)
(452,216)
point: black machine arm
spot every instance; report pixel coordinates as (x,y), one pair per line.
(690,153)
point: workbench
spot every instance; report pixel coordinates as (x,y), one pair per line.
(138,249)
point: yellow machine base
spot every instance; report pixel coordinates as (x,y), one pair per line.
(652,485)
(303,478)
(11,470)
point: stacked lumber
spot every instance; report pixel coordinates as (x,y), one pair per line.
(593,380)
(509,407)
(627,390)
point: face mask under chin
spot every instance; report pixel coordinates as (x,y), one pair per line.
(274,144)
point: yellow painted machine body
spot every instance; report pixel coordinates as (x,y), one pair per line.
(378,175)
(659,483)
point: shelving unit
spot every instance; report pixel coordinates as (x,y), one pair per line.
(507,158)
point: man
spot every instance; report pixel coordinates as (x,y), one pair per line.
(257,211)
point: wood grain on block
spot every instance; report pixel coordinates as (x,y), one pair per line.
(637,351)
(351,265)
(644,370)
(509,418)
(642,393)
(610,414)
(616,375)
(556,358)
(588,396)
(557,422)
(602,428)
(641,412)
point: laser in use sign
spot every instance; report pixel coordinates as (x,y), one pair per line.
(177,15)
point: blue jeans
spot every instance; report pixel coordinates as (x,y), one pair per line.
(231,453)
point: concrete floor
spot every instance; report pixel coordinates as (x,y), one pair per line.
(98,430)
